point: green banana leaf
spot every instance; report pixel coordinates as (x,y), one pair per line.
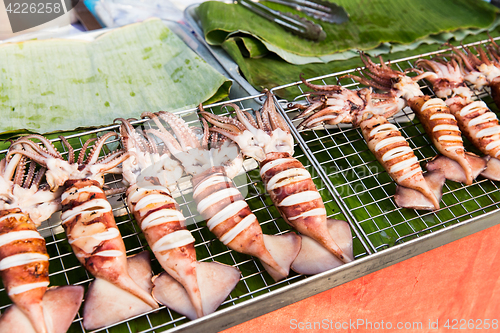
(371,24)
(58,85)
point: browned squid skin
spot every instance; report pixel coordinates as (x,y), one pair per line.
(417,181)
(250,240)
(456,106)
(442,146)
(29,302)
(110,268)
(495,90)
(179,262)
(312,226)
(189,287)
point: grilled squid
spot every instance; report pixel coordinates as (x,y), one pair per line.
(477,123)
(332,105)
(442,130)
(392,151)
(268,140)
(482,69)
(220,203)
(396,156)
(24,262)
(441,126)
(87,216)
(188,286)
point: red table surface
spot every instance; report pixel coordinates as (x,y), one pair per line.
(456,284)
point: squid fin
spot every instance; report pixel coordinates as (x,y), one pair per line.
(284,250)
(453,171)
(409,198)
(313,258)
(60,305)
(106,304)
(215,280)
(492,170)
(169,292)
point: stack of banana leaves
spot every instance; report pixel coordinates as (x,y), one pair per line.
(269,55)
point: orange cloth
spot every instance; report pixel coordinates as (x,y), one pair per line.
(460,280)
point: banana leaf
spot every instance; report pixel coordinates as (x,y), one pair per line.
(58,85)
(372,24)
(271,71)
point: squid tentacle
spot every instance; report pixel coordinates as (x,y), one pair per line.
(31,155)
(71,152)
(30,176)
(227,123)
(81,155)
(20,170)
(185,137)
(95,150)
(168,139)
(49,146)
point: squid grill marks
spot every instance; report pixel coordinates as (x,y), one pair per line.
(189,287)
(442,129)
(386,142)
(230,219)
(475,120)
(228,215)
(396,156)
(24,261)
(268,140)
(24,264)
(479,125)
(86,214)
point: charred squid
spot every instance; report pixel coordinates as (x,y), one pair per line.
(267,139)
(187,286)
(89,223)
(385,141)
(24,261)
(475,120)
(438,120)
(218,200)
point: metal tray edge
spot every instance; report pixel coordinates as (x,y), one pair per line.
(237,314)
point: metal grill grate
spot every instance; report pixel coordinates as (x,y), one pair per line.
(65,268)
(366,190)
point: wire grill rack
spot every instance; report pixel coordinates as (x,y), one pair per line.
(363,186)
(65,268)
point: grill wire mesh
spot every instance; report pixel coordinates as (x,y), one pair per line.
(366,190)
(65,268)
